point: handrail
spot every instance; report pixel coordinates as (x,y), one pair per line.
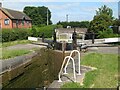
(78,62)
(70,58)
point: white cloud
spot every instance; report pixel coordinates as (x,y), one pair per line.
(63,6)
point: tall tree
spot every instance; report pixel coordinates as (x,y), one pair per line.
(38,14)
(116,22)
(105,10)
(102,21)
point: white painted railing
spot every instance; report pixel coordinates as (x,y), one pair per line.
(78,61)
(62,68)
(70,58)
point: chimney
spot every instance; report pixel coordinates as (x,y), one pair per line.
(0,4)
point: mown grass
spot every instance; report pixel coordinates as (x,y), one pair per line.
(6,54)
(6,44)
(106,75)
(71,85)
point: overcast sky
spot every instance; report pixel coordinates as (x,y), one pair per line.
(77,10)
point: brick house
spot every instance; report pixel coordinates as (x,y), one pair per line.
(14,19)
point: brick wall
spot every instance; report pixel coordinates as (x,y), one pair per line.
(27,24)
(12,23)
(2,18)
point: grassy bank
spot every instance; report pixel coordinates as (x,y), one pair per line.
(6,54)
(11,43)
(106,75)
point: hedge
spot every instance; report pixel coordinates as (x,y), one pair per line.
(14,34)
(47,30)
(21,34)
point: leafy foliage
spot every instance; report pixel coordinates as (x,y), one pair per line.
(22,34)
(115,27)
(38,14)
(116,22)
(14,34)
(82,24)
(105,10)
(47,30)
(102,21)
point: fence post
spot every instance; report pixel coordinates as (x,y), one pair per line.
(54,39)
(42,37)
(93,37)
(54,36)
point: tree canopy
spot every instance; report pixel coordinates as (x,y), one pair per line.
(102,21)
(116,22)
(82,24)
(38,14)
(105,10)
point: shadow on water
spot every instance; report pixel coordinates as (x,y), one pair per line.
(43,70)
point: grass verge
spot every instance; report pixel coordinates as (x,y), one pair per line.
(13,53)
(106,75)
(71,85)
(6,44)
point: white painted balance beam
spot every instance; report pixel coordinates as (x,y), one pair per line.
(32,38)
(110,40)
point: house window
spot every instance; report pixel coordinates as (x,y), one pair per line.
(6,21)
(27,22)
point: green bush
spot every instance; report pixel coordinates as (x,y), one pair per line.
(21,34)
(107,34)
(47,30)
(14,34)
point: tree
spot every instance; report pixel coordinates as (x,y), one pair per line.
(38,14)
(115,27)
(102,21)
(116,22)
(105,10)
(82,24)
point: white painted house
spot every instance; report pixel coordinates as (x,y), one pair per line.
(65,34)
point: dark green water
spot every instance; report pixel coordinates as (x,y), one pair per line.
(43,70)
